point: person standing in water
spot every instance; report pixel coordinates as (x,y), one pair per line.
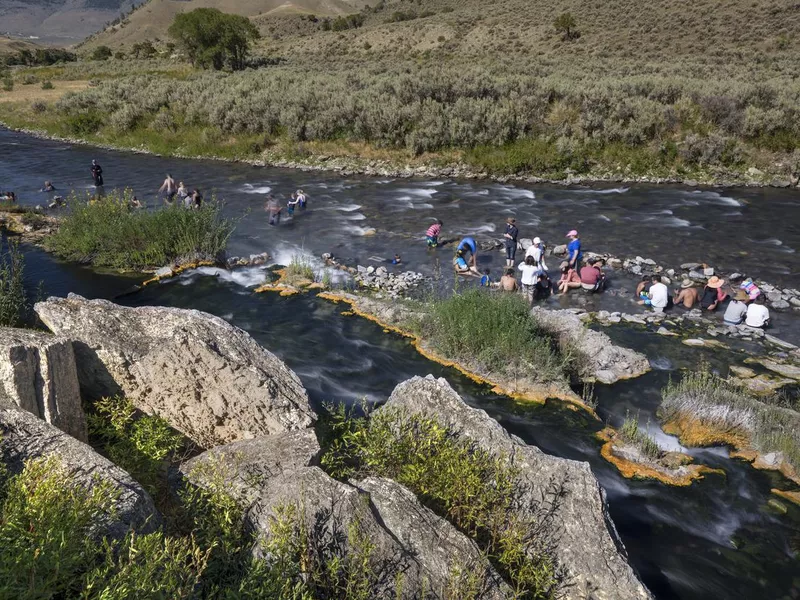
(302,199)
(183,196)
(97,174)
(574,252)
(274,209)
(290,206)
(537,250)
(432,235)
(510,240)
(169,188)
(197,198)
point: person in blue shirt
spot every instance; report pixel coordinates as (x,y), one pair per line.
(463,264)
(574,253)
(486,280)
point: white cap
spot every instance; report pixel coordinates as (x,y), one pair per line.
(537,240)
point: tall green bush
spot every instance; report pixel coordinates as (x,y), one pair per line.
(213,38)
(14,305)
(108,232)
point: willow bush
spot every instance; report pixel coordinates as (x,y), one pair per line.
(108,232)
(453,106)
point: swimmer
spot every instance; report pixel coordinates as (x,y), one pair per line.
(48,187)
(397,260)
(169,188)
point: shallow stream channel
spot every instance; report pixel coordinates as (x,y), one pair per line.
(717,538)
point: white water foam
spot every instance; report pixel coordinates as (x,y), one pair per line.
(604,218)
(249,188)
(421,192)
(619,190)
(488,228)
(716,198)
(246,277)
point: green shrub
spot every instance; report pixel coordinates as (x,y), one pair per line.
(8,84)
(14,305)
(107,232)
(28,79)
(47,85)
(84,123)
(475,490)
(102,53)
(45,531)
(497,332)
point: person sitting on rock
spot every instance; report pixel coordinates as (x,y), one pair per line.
(462,267)
(642,287)
(687,294)
(508,283)
(737,309)
(712,294)
(592,277)
(659,294)
(569,279)
(757,314)
(750,288)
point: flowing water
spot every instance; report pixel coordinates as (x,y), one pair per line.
(715,539)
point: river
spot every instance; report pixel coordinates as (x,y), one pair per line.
(717,538)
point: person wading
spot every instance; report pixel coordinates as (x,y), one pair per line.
(510,240)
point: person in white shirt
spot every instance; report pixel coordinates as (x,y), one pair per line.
(536,250)
(659,295)
(530,274)
(757,314)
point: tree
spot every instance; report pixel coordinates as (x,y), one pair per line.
(143,49)
(565,25)
(214,39)
(102,53)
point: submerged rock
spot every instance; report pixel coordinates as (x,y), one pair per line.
(586,542)
(39,375)
(207,378)
(24,437)
(601,360)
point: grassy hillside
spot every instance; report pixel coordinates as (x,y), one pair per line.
(705,91)
(60,21)
(151,20)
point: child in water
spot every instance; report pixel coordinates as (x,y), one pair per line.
(290,206)
(397,260)
(432,235)
(486,280)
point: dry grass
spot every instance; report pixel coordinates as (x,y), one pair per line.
(34,92)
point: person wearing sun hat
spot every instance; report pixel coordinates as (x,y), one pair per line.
(712,294)
(687,294)
(737,308)
(537,251)
(574,253)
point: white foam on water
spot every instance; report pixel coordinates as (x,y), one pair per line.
(717,198)
(604,218)
(421,206)
(488,228)
(669,443)
(284,255)
(661,363)
(619,190)
(355,217)
(340,207)
(246,277)
(435,183)
(423,192)
(249,188)
(359,231)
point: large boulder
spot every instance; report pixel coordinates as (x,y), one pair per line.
(207,378)
(268,474)
(245,465)
(441,551)
(600,359)
(24,437)
(586,542)
(39,375)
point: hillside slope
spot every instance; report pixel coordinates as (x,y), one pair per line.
(59,21)
(151,21)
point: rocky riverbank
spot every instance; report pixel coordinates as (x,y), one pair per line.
(212,382)
(354,165)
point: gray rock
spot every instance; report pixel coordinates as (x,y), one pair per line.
(163,272)
(525,243)
(635,269)
(649,262)
(665,331)
(779,342)
(39,375)
(780,304)
(602,360)
(560,250)
(774,296)
(24,437)
(438,547)
(637,319)
(207,378)
(690,266)
(586,542)
(697,275)
(247,464)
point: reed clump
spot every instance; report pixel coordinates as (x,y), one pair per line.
(109,232)
(705,409)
